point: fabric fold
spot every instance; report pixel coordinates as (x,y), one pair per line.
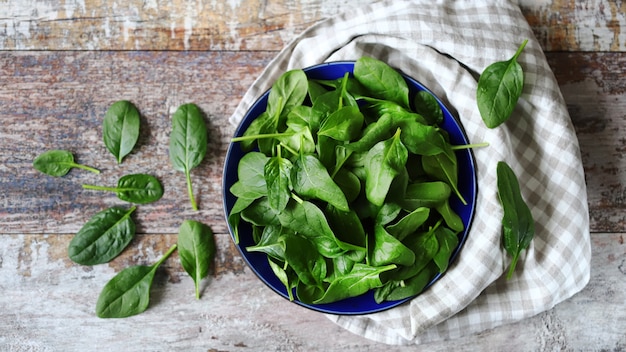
(446,45)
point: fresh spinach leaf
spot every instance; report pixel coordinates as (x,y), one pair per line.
(270,242)
(444,167)
(499,88)
(361,279)
(128,292)
(58,163)
(188,143)
(409,223)
(448,241)
(311,179)
(306,262)
(120,129)
(309,221)
(286,275)
(277,173)
(425,194)
(386,249)
(134,188)
(196,249)
(427,106)
(103,237)
(343,125)
(289,90)
(518,225)
(414,285)
(381,80)
(384,161)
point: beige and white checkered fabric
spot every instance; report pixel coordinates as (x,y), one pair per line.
(446,45)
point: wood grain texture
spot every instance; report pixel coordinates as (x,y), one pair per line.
(594,89)
(560,25)
(48,305)
(40,110)
(63,62)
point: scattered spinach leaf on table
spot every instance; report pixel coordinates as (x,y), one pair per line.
(103,237)
(499,88)
(58,163)
(196,249)
(518,226)
(120,129)
(188,143)
(134,188)
(128,292)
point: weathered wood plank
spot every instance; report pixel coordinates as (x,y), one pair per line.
(560,25)
(47,303)
(57,101)
(40,110)
(594,88)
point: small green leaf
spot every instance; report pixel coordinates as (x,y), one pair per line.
(196,249)
(383,162)
(428,106)
(58,163)
(134,188)
(128,292)
(188,143)
(277,173)
(120,129)
(103,237)
(518,225)
(382,80)
(311,179)
(499,88)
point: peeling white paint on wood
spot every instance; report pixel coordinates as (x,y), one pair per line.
(591,25)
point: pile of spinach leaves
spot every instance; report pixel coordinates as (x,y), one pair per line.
(347,187)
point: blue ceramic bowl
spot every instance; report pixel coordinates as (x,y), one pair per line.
(365,303)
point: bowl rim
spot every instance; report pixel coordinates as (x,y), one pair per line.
(336,307)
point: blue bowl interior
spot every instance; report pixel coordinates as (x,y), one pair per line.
(363,304)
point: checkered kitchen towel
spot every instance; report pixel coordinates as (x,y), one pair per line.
(445,45)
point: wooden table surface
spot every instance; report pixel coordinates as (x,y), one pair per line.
(62,63)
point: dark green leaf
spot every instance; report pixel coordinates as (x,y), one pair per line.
(103,237)
(409,223)
(289,90)
(286,276)
(443,167)
(120,129)
(277,173)
(428,106)
(381,80)
(301,256)
(188,143)
(308,220)
(58,163)
(251,172)
(518,225)
(413,285)
(384,161)
(343,125)
(386,249)
(270,242)
(361,279)
(134,188)
(499,88)
(311,179)
(260,213)
(128,292)
(447,244)
(196,248)
(425,194)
